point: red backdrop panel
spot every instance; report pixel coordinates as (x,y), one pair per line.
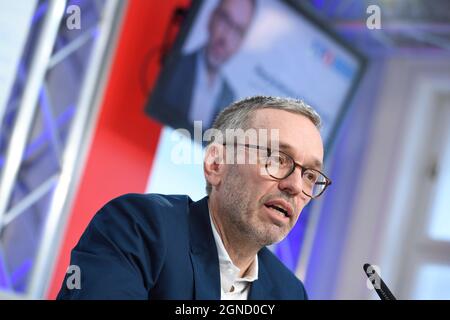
(125,140)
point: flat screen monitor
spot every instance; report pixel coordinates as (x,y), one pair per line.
(231,49)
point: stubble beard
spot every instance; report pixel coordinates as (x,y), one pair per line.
(241,219)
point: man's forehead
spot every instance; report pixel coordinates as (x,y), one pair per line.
(288,131)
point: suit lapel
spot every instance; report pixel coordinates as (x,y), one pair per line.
(187,81)
(204,257)
(261,289)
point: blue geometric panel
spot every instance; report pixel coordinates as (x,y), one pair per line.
(40,166)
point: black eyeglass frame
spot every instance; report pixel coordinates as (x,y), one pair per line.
(296,164)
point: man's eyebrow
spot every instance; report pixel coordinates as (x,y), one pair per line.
(285,146)
(316,163)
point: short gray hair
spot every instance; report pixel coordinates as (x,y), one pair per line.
(239,114)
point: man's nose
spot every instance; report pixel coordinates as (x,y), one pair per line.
(293,184)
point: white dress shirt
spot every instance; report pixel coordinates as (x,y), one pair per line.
(232,286)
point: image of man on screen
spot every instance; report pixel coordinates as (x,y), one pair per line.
(196,88)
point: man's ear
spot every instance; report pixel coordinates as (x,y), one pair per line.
(214,164)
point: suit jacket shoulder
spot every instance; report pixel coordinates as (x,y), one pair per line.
(172,93)
(279,280)
(122,251)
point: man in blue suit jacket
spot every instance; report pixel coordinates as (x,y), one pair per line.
(169,247)
(162,247)
(171,100)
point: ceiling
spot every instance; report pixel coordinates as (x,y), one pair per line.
(407,26)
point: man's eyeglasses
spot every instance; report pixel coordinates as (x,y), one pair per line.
(280,165)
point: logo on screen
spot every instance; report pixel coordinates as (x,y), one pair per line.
(332,60)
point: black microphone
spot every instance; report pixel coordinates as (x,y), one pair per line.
(380,287)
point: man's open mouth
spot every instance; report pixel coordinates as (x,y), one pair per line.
(279,209)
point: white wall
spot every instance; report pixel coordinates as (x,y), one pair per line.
(384,212)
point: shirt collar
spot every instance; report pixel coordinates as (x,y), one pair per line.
(226,262)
